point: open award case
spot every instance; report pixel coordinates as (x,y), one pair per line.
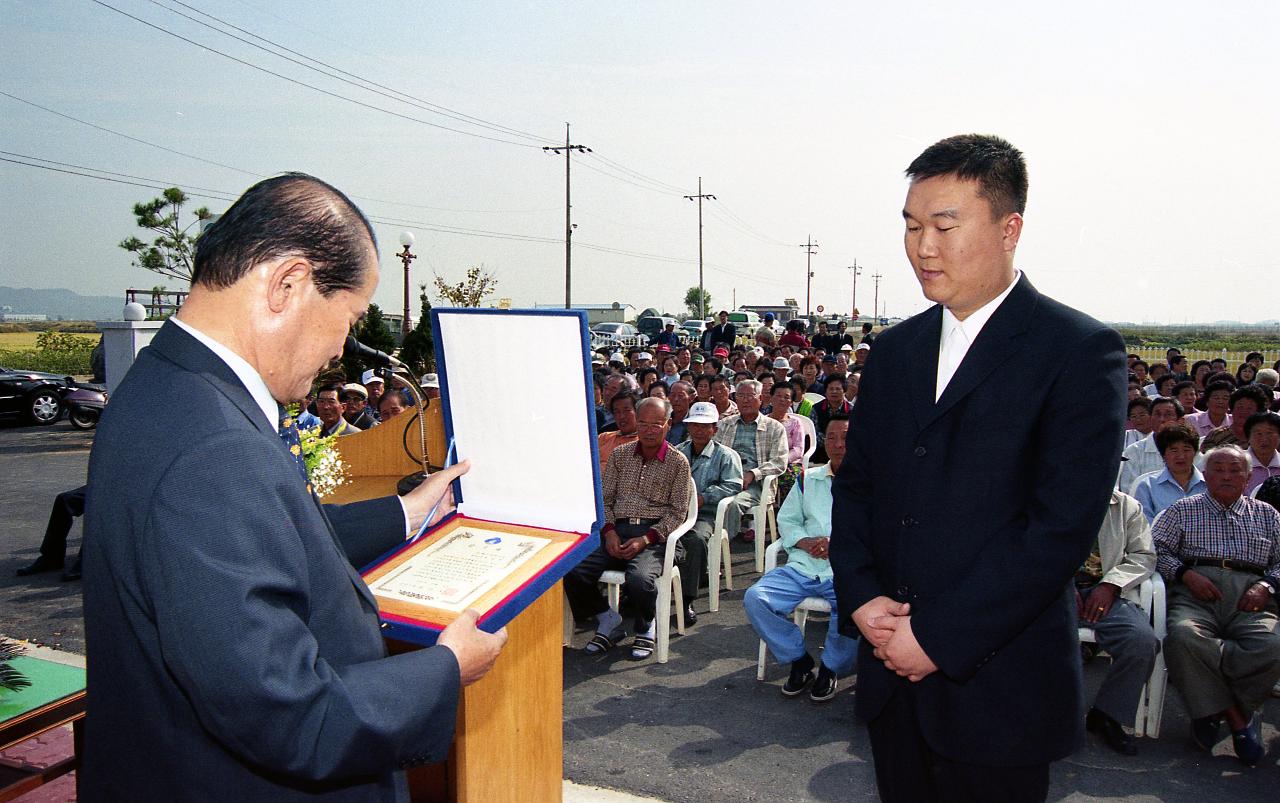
(530,508)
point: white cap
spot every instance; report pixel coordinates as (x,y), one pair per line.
(781,362)
(430,381)
(759,352)
(846,347)
(702,413)
(863,347)
(370,376)
(352,387)
(644,355)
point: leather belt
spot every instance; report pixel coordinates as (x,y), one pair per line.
(1223,563)
(635,521)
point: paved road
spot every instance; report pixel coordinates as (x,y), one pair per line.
(36,464)
(699,728)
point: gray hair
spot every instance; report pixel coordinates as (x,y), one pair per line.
(1267,376)
(1229,450)
(755,387)
(654,401)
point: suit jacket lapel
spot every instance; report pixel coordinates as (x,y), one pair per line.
(179,347)
(996,343)
(923,380)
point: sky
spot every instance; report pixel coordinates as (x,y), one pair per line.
(1149,130)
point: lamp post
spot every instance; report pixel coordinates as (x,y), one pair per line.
(406,256)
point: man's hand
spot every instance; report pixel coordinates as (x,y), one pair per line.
(748,477)
(1202,587)
(437,487)
(816,546)
(633,547)
(613,545)
(876,610)
(474,649)
(902,653)
(1254,598)
(1099,602)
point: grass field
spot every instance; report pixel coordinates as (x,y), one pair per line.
(15,341)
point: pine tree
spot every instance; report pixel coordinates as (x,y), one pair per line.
(373,332)
(418,350)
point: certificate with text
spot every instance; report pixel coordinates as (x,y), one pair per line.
(459,568)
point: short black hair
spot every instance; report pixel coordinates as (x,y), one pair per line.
(288,215)
(1143,363)
(1253,392)
(1214,387)
(1177,405)
(633,395)
(866,327)
(994,163)
(404,400)
(834,418)
(1181,432)
(832,379)
(1141,401)
(1257,419)
(1178,387)
(1165,380)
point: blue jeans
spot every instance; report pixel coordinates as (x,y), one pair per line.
(769,605)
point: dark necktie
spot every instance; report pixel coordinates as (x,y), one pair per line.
(289,434)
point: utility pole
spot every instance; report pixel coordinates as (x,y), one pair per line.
(568,220)
(810,248)
(702,303)
(853,304)
(875,307)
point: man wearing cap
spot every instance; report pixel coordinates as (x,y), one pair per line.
(668,337)
(860,354)
(781,369)
(430,386)
(329,409)
(766,335)
(355,400)
(375,386)
(717,474)
(761,444)
(723,333)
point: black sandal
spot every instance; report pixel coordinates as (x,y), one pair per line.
(601,643)
(642,648)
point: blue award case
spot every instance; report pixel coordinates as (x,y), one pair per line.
(535,465)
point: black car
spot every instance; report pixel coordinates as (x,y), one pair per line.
(33,394)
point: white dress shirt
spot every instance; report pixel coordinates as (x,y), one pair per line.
(957,335)
(248,376)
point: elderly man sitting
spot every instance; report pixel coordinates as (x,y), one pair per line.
(717,473)
(805,525)
(1220,554)
(1107,587)
(646,496)
(760,442)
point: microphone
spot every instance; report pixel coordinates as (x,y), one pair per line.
(354,348)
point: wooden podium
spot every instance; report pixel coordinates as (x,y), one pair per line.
(509,739)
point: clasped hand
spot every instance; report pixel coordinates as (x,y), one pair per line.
(623,550)
(886,624)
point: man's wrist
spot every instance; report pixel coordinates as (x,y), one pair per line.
(1268,585)
(1183,569)
(652,537)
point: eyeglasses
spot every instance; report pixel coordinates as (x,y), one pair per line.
(644,425)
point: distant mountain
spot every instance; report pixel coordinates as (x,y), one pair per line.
(62,304)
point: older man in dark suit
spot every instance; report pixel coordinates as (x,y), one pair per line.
(974,484)
(233,650)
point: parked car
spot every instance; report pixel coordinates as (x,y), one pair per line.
(616,334)
(692,330)
(34,395)
(652,325)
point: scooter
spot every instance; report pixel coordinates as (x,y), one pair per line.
(84,405)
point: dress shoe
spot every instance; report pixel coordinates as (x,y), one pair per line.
(39,567)
(1114,734)
(1204,732)
(1247,746)
(690,617)
(824,687)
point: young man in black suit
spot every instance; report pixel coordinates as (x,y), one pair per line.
(974,486)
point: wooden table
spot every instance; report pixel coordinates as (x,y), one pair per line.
(55,697)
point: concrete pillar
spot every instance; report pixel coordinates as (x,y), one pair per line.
(122,340)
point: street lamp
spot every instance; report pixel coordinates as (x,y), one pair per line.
(406,256)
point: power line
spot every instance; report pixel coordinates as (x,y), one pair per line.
(338,73)
(312,87)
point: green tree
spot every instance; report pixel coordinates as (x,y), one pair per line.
(418,350)
(691,301)
(171,252)
(471,292)
(372,331)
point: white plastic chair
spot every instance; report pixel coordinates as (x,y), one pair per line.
(668,581)
(800,615)
(810,438)
(718,555)
(1151,598)
(764,522)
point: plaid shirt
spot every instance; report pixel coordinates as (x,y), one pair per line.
(771,443)
(653,489)
(1199,526)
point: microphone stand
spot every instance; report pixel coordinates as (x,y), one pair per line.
(410,481)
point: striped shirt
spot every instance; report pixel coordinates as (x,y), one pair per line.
(1200,527)
(647,489)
